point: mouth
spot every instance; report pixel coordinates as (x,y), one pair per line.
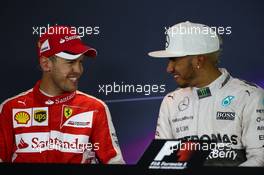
(176,76)
(74,80)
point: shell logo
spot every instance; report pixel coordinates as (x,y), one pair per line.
(22,117)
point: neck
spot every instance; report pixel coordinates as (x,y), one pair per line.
(207,76)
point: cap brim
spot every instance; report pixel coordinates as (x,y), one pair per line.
(68,56)
(76,51)
(165,54)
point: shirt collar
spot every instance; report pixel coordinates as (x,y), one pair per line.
(213,86)
(47,100)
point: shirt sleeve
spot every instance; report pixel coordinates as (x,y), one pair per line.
(6,134)
(253,129)
(105,136)
(163,130)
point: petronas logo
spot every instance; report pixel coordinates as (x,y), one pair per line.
(227,101)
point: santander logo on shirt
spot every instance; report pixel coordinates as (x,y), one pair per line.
(53,140)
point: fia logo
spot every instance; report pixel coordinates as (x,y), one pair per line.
(227,101)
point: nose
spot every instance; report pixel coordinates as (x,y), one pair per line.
(170,67)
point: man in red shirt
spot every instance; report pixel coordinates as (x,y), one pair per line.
(54,122)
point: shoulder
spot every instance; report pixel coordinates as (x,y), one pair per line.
(245,87)
(246,93)
(89,99)
(17,99)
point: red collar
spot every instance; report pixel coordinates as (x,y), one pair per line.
(51,100)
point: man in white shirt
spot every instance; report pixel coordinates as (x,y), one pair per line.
(210,104)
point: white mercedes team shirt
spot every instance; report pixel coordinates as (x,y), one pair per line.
(228,110)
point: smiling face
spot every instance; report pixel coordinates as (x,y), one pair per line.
(182,70)
(62,75)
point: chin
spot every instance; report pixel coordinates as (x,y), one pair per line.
(183,85)
(70,89)
(73,89)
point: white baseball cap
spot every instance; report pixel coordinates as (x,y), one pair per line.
(188,38)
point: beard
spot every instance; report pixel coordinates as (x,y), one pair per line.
(186,78)
(62,83)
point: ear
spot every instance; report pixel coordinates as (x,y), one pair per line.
(45,64)
(199,61)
